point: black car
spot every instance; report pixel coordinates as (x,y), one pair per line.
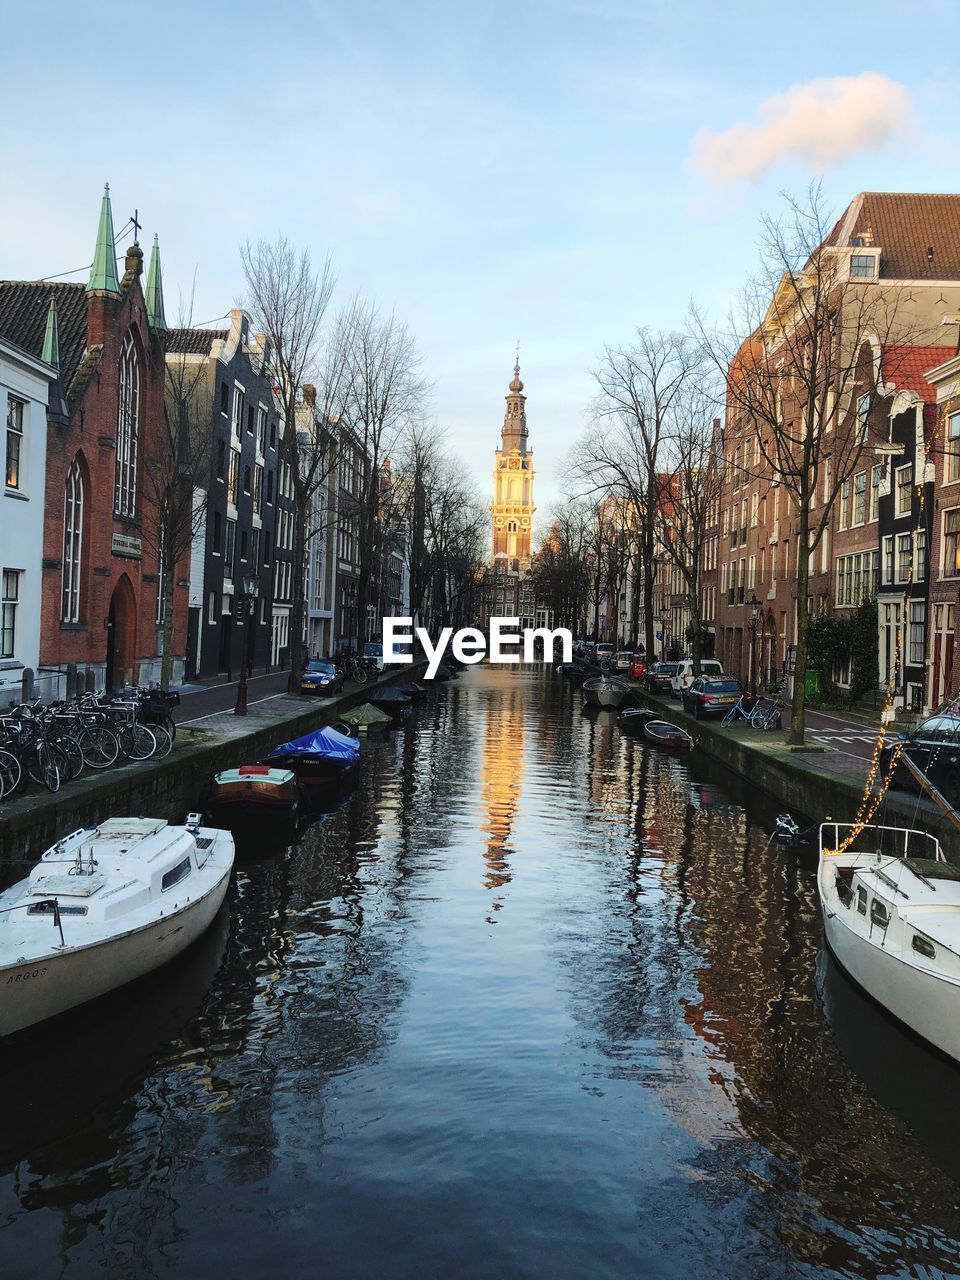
(321,676)
(934,747)
(708,697)
(656,679)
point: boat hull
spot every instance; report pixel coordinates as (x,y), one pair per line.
(929,1005)
(37,990)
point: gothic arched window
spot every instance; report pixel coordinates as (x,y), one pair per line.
(128,428)
(72,542)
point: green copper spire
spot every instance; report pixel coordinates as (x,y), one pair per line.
(51,338)
(155,317)
(103,273)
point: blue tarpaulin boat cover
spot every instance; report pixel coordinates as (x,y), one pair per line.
(325,742)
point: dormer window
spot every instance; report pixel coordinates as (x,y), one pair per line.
(863,266)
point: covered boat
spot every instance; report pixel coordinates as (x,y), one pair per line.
(602,691)
(891,916)
(253,791)
(391,701)
(365,719)
(321,759)
(104,906)
(665,734)
(413,689)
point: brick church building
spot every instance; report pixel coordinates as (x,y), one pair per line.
(101,599)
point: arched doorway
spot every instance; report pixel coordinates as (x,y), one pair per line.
(121,634)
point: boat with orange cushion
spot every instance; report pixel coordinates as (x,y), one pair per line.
(253,791)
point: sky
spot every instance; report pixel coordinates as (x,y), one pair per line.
(557,172)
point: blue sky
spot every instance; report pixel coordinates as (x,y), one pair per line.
(492,171)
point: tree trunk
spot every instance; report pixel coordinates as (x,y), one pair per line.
(166,588)
(796,736)
(696,640)
(297,594)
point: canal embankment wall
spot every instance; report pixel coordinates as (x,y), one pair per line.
(163,788)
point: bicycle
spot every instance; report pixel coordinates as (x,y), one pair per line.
(355,670)
(742,709)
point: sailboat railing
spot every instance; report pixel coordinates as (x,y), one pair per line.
(882,841)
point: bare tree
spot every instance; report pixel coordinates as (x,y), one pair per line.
(384,397)
(288,300)
(176,479)
(801,359)
(563,567)
(622,454)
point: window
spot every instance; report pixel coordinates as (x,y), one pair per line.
(861,900)
(878,913)
(217,533)
(233,476)
(904,557)
(266,546)
(918,611)
(951,465)
(175,875)
(236,426)
(15,409)
(258,488)
(128,429)
(255,549)
(212,607)
(859,498)
(863,266)
(72,543)
(863,418)
(243,544)
(904,490)
(250,420)
(270,486)
(876,475)
(923,946)
(221,460)
(224,398)
(273,434)
(844,501)
(951,547)
(920,555)
(262,431)
(231,547)
(888,560)
(246,479)
(857,577)
(8,612)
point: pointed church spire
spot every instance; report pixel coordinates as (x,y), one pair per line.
(155,317)
(515,417)
(51,337)
(103,273)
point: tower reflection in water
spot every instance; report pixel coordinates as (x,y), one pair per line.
(501,777)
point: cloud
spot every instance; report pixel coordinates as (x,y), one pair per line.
(819,124)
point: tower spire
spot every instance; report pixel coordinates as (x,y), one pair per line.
(103,273)
(515,415)
(155,317)
(51,336)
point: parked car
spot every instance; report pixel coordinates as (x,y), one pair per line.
(706,697)
(321,676)
(372,657)
(638,666)
(621,661)
(602,651)
(656,679)
(683,676)
(934,747)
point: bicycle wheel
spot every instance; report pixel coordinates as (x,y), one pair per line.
(165,722)
(137,742)
(72,754)
(164,740)
(10,773)
(99,746)
(42,767)
(62,761)
(360,675)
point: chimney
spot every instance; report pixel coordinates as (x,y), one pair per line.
(309,394)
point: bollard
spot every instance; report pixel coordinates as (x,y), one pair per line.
(89,681)
(71,681)
(28,689)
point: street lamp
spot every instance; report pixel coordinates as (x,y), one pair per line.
(251,589)
(755,606)
(664,619)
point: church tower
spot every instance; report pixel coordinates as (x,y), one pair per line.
(512,506)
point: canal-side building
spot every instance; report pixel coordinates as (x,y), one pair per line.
(235,542)
(511,589)
(943,529)
(100,593)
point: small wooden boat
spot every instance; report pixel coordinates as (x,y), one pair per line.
(665,734)
(253,792)
(633,719)
(574,671)
(322,760)
(104,906)
(602,691)
(891,917)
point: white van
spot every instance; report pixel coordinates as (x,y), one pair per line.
(709,667)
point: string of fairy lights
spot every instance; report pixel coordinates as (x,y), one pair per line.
(871,799)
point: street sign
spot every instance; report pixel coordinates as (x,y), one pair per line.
(659,635)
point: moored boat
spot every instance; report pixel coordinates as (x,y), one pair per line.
(252,792)
(103,907)
(665,734)
(321,760)
(891,916)
(391,701)
(602,691)
(633,719)
(365,719)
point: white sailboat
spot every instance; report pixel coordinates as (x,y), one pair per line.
(103,907)
(891,915)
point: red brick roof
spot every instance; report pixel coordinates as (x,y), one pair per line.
(906,227)
(906,367)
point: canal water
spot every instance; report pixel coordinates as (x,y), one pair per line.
(538,1001)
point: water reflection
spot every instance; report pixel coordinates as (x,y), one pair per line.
(648,1067)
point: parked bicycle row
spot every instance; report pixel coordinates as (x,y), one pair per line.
(53,744)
